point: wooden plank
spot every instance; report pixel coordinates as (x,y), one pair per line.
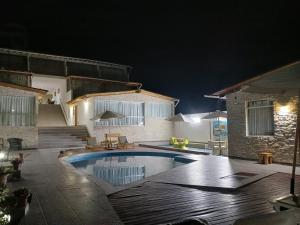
(155,203)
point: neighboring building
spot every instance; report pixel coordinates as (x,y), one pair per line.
(78,89)
(258,121)
(146,113)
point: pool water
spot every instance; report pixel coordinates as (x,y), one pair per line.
(123,168)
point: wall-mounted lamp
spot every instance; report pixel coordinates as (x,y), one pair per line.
(2,155)
(196,120)
(86,105)
(284,110)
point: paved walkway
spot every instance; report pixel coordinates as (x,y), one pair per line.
(63,197)
(60,196)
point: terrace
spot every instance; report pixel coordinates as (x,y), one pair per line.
(61,195)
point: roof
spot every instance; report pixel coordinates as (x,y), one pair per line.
(277,81)
(105,80)
(149,93)
(24,88)
(60,58)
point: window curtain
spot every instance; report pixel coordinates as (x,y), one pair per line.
(17,111)
(159,110)
(133,112)
(260,118)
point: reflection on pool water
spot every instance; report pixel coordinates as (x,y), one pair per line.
(123,168)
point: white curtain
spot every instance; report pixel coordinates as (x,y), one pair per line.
(133,112)
(159,110)
(260,118)
(119,175)
(17,111)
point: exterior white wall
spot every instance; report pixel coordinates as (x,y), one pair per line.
(198,129)
(52,84)
(28,134)
(153,130)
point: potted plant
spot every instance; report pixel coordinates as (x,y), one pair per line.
(16,163)
(7,203)
(4,172)
(23,196)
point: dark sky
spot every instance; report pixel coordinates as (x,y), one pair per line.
(176,48)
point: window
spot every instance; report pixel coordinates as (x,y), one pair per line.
(133,112)
(17,111)
(260,118)
(159,110)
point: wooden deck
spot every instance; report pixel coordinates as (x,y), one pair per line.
(155,203)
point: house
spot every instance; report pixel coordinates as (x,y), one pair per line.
(18,113)
(262,114)
(146,113)
(73,90)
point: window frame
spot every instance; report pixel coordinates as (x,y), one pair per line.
(247,116)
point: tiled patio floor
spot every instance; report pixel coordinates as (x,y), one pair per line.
(63,197)
(60,196)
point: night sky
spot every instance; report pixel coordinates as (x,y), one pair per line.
(176,48)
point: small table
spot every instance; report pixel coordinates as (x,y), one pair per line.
(265,157)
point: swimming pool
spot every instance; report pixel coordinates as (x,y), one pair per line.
(122,168)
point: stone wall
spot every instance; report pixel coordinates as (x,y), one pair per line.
(28,134)
(155,129)
(243,146)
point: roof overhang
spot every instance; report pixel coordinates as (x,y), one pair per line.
(149,93)
(135,84)
(284,80)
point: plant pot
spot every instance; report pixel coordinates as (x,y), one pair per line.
(3,179)
(16,166)
(21,157)
(22,197)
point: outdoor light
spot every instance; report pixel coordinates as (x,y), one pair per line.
(86,105)
(284,110)
(196,120)
(222,119)
(71,111)
(12,110)
(2,155)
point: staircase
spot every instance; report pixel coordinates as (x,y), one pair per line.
(62,137)
(50,115)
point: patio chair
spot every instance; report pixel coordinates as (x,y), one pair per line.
(123,143)
(287,217)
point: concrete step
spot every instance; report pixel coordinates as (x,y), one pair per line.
(59,146)
(50,115)
(71,138)
(56,137)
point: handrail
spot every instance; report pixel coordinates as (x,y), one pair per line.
(63,110)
